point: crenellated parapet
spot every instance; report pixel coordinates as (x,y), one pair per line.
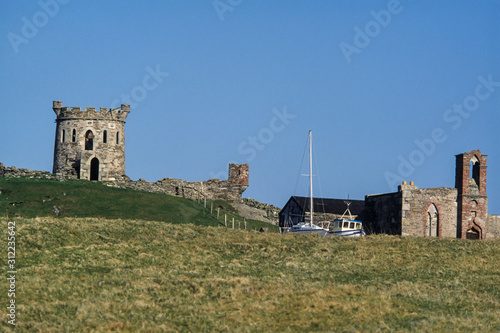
(90,143)
(90,113)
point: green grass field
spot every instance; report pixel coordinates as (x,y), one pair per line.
(21,197)
(99,275)
(131,261)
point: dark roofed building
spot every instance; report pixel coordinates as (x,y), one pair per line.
(297,209)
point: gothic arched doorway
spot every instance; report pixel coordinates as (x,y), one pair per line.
(94,169)
(473,233)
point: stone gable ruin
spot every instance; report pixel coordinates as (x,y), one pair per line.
(460,212)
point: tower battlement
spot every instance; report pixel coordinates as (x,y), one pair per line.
(90,144)
(75,112)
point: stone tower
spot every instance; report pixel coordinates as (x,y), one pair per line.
(90,144)
(238,174)
(470,181)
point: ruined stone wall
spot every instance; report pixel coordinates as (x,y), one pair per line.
(417,205)
(407,212)
(272,212)
(90,144)
(493,226)
(382,214)
(230,190)
(15,172)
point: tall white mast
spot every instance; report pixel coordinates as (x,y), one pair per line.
(311,175)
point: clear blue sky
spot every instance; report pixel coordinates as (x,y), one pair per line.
(214,82)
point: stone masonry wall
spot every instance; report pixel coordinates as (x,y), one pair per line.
(14,172)
(90,143)
(493,226)
(470,180)
(383,214)
(415,206)
(229,190)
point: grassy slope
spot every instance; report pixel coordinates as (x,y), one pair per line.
(32,198)
(80,275)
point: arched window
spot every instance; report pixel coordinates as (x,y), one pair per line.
(63,136)
(117,138)
(105,137)
(432,222)
(73,136)
(89,140)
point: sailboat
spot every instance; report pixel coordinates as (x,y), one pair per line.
(308,227)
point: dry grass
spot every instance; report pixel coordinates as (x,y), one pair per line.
(96,275)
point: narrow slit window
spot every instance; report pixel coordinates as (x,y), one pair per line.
(63,137)
(105,137)
(73,137)
(474,170)
(117,138)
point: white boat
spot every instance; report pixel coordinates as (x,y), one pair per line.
(344,227)
(308,227)
(347,227)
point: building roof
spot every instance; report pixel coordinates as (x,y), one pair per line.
(329,206)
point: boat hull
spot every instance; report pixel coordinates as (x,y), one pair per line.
(347,233)
(306,228)
(319,232)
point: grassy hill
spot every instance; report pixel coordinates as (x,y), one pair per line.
(78,198)
(98,275)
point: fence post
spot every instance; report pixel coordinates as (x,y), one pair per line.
(233,222)
(225,220)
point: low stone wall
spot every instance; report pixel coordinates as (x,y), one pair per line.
(272,212)
(27,173)
(212,189)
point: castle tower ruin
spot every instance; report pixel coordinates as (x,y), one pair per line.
(90,144)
